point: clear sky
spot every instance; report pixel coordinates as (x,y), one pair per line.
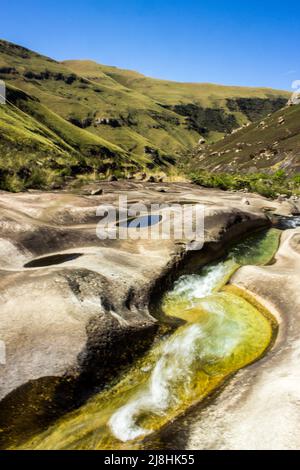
(254,43)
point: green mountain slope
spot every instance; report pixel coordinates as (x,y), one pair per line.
(266,146)
(79,117)
(170,92)
(210,110)
(37,146)
(108,110)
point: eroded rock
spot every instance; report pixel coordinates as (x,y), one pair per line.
(76,323)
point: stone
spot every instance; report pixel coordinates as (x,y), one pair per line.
(112,178)
(97,192)
(152,179)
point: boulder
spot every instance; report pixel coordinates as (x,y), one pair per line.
(152,179)
(112,178)
(97,192)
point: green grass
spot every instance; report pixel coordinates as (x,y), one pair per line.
(268,185)
(267,146)
(173,95)
(38,148)
(171,92)
(143,122)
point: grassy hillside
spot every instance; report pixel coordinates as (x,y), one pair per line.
(79,117)
(38,147)
(210,110)
(107,109)
(39,143)
(171,92)
(267,146)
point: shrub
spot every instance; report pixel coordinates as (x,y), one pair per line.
(263,184)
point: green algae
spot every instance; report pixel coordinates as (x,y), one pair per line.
(257,249)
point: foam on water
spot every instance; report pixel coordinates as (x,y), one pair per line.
(286,222)
(194,347)
(197,286)
(173,367)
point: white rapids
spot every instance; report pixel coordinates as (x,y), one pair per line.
(198,286)
(179,353)
(175,363)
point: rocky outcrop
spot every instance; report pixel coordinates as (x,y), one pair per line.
(255,108)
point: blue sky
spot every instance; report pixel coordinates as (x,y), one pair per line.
(232,42)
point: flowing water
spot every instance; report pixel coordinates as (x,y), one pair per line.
(286,222)
(222,333)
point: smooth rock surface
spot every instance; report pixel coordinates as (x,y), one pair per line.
(84,319)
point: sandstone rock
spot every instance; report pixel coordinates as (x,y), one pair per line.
(295,209)
(97,192)
(72,324)
(282,198)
